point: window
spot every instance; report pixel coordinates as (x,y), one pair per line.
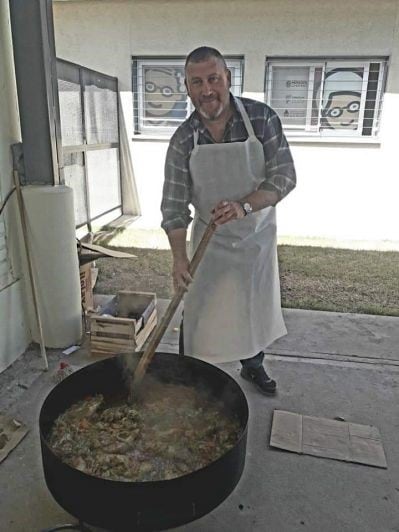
(327,97)
(161,102)
(90,141)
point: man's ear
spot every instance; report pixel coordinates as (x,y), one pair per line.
(229,77)
(185,84)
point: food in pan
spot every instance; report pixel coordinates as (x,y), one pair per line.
(172,431)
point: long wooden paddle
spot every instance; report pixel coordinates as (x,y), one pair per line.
(170,311)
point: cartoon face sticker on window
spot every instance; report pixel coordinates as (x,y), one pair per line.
(341,98)
(164,94)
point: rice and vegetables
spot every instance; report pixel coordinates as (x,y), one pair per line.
(172,431)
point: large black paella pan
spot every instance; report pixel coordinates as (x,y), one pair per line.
(152,505)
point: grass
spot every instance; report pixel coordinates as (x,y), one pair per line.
(312,278)
(340,280)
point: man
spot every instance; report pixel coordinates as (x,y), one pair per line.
(231,161)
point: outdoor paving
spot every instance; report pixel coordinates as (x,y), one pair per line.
(328,365)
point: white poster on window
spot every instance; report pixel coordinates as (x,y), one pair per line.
(341,98)
(290,94)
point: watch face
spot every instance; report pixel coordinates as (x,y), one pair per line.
(247,208)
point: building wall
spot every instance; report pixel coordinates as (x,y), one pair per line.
(346,190)
(14,329)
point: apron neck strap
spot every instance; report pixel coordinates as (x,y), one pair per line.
(245,117)
(195,137)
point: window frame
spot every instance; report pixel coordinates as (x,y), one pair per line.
(78,74)
(138,62)
(329,63)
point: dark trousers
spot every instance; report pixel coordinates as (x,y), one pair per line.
(253,362)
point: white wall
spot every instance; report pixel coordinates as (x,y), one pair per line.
(14,329)
(345,190)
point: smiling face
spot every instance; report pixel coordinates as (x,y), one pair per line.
(208,85)
(342,110)
(163,90)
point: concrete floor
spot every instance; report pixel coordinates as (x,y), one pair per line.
(328,365)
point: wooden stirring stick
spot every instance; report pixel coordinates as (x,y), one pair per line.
(170,311)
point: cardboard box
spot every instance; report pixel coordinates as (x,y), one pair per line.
(124,324)
(87,254)
(86,286)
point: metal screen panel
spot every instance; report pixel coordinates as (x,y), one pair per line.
(74,174)
(101,109)
(90,140)
(71,112)
(103,180)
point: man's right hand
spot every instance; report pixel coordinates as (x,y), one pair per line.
(181,275)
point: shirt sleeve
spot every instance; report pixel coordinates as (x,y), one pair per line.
(280,170)
(176,195)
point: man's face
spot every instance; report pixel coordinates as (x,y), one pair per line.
(208,85)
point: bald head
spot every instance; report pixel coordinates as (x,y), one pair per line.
(204,53)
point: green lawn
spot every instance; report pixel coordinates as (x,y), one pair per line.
(340,280)
(313,278)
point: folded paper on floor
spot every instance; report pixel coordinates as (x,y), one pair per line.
(327,438)
(12,432)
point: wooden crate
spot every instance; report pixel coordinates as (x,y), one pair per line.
(124,324)
(86,285)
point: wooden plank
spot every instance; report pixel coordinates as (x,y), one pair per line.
(106,251)
(170,311)
(111,319)
(115,337)
(112,341)
(108,353)
(111,350)
(113,328)
(144,334)
(110,323)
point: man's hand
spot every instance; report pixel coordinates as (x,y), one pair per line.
(225,211)
(181,275)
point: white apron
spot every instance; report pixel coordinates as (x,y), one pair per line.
(232,309)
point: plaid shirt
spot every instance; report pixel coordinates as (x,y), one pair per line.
(280,171)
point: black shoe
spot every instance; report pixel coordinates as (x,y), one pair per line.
(260,379)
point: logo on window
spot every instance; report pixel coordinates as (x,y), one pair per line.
(296,83)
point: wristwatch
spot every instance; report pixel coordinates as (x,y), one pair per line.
(246,207)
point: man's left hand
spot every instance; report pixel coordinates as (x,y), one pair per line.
(225,211)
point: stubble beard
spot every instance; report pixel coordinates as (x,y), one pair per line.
(213,116)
